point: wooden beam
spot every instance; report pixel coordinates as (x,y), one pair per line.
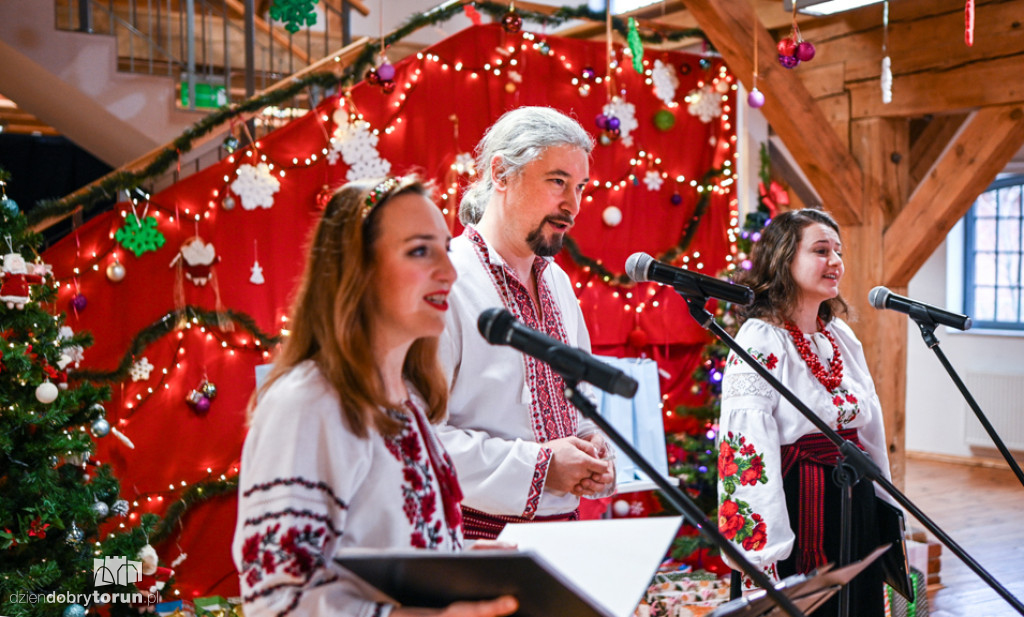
(931,143)
(882,333)
(792,112)
(985,143)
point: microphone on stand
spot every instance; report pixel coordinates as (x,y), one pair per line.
(641,267)
(881,298)
(499,327)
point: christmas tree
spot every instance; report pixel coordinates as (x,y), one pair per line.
(692,454)
(63,523)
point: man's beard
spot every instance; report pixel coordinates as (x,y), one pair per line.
(546,247)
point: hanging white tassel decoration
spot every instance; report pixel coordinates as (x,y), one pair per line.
(886,80)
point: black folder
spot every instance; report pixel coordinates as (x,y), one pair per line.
(435,580)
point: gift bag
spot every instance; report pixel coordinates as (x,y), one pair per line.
(638,419)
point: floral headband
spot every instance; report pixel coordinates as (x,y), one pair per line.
(378,193)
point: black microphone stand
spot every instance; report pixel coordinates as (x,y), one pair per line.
(680,500)
(854,462)
(927,326)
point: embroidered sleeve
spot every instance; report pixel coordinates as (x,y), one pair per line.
(292,513)
(751,501)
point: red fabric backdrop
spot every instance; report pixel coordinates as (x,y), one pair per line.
(174,444)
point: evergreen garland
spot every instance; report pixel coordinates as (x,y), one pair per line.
(108,187)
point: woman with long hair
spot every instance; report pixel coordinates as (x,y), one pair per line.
(776,497)
(340,452)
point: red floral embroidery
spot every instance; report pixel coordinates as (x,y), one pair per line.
(770,361)
(297,552)
(418,493)
(736,519)
(846,406)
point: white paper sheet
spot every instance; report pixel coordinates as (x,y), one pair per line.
(611,560)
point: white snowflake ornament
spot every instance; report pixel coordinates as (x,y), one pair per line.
(626,114)
(704,103)
(665,82)
(256,186)
(653,180)
(141,369)
(358,147)
(464,164)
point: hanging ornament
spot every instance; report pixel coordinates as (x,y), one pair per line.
(611,216)
(636,46)
(638,339)
(663,76)
(119,507)
(622,118)
(653,180)
(100,427)
(386,71)
(17,277)
(794,49)
(140,236)
(78,302)
(101,509)
(196,258)
(115,271)
(7,205)
(969,23)
(46,392)
(230,144)
(147,555)
(294,13)
(74,534)
(372,77)
(228,203)
(664,120)
(755,98)
(511,22)
(141,369)
(200,398)
(588,73)
(257,270)
(676,199)
(886,74)
(208,389)
(256,186)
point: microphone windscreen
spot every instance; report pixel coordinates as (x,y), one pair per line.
(878,296)
(495,324)
(637,265)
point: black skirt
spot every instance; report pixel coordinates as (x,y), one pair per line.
(866,590)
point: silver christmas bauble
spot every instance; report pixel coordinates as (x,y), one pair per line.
(116,272)
(101,509)
(75,534)
(100,427)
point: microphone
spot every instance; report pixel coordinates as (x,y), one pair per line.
(499,327)
(882,298)
(641,267)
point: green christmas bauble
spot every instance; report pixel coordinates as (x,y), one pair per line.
(664,119)
(8,206)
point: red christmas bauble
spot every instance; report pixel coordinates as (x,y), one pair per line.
(787,46)
(638,338)
(387,86)
(512,22)
(324,197)
(372,77)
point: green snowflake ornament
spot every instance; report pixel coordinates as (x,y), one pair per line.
(293,13)
(139,237)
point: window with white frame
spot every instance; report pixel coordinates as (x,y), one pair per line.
(993,256)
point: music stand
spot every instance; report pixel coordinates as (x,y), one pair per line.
(806,591)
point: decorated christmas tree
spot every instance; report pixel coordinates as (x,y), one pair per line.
(692,454)
(66,541)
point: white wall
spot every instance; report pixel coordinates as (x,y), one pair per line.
(936,411)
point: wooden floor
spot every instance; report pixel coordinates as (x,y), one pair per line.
(982,509)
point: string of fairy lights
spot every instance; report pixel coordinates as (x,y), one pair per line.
(191,213)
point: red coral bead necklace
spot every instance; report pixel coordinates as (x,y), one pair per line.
(834,375)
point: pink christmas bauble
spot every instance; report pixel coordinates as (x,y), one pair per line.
(386,71)
(805,51)
(755,98)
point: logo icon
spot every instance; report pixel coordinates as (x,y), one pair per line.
(115,571)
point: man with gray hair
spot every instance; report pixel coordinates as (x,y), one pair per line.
(522,451)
